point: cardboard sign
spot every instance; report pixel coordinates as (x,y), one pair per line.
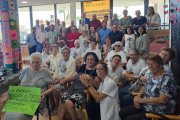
(23,100)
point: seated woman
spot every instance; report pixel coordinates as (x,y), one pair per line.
(107,94)
(94,49)
(33,76)
(115,71)
(117,50)
(53,60)
(74,97)
(158,94)
(77,50)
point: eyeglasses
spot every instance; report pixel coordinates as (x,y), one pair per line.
(117,46)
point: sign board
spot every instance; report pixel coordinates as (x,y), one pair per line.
(23,99)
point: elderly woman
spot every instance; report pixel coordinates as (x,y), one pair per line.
(117,50)
(77,50)
(72,36)
(74,97)
(33,76)
(157,96)
(53,60)
(107,94)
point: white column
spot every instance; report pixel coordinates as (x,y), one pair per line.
(73,11)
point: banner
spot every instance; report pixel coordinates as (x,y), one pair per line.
(23,100)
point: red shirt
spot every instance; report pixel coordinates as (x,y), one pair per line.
(71,37)
(96,24)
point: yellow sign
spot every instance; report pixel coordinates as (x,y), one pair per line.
(96,5)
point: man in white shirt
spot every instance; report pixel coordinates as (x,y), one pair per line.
(134,67)
(41,38)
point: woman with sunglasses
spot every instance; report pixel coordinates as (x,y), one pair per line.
(117,50)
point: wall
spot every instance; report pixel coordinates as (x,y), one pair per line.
(175,36)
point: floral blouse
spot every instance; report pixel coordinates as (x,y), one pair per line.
(154,88)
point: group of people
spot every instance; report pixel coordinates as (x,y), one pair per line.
(109,64)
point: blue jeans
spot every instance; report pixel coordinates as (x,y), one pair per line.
(39,47)
(126,99)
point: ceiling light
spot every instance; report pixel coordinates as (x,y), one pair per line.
(24,2)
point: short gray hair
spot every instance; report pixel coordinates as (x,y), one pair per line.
(65,48)
(36,54)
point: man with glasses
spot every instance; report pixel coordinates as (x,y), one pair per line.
(115,34)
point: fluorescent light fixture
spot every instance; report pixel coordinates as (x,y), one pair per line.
(24,2)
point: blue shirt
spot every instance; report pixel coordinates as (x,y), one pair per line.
(140,21)
(87,21)
(31,39)
(47,29)
(103,33)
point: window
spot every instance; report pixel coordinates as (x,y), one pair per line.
(78,13)
(43,13)
(63,13)
(24,23)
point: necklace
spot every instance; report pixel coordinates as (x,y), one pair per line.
(85,71)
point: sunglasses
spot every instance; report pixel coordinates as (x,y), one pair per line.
(117,46)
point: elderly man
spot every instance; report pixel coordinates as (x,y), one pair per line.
(95,23)
(115,34)
(134,66)
(138,20)
(87,21)
(115,20)
(31,41)
(51,36)
(72,25)
(41,38)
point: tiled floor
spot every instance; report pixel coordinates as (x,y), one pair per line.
(41,118)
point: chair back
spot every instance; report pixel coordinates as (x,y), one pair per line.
(178,101)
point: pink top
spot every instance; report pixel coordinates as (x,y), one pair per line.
(71,37)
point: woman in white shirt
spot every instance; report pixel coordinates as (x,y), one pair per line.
(129,40)
(153,19)
(115,71)
(53,60)
(107,94)
(76,51)
(117,50)
(94,49)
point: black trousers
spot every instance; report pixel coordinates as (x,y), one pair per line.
(132,113)
(32,50)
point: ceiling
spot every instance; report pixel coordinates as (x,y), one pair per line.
(44,2)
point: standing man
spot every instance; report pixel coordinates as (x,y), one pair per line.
(138,21)
(41,38)
(87,21)
(115,34)
(103,33)
(37,26)
(51,36)
(31,41)
(106,18)
(95,23)
(72,25)
(115,20)
(58,26)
